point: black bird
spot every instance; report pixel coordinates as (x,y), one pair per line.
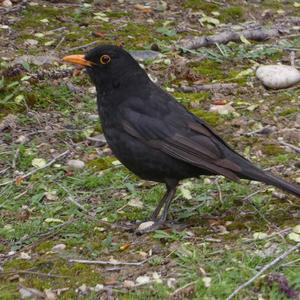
(156,137)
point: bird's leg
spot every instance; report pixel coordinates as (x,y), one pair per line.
(157,210)
(164,204)
(167,202)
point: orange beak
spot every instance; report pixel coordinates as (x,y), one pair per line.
(78,59)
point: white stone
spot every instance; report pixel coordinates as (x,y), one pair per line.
(59,247)
(75,164)
(278,76)
(7,3)
(145,225)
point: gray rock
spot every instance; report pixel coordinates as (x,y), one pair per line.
(145,54)
(75,164)
(99,140)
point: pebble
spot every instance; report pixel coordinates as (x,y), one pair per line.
(145,225)
(30,42)
(75,164)
(93,117)
(59,247)
(7,3)
(278,76)
(222,109)
(99,140)
(22,139)
(145,54)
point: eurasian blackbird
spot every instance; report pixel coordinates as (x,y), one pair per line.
(156,137)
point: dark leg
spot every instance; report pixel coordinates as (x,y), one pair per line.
(157,210)
(164,204)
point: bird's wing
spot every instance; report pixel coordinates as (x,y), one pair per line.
(176,132)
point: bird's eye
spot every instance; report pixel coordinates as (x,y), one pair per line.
(105,59)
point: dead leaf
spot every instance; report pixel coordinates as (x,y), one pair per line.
(144,9)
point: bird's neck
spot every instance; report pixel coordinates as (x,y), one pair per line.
(113,92)
(122,82)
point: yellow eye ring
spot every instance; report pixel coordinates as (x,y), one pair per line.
(105,59)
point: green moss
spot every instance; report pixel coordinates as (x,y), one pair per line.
(117,14)
(100,164)
(272,149)
(17,264)
(45,246)
(289,111)
(210,117)
(205,6)
(232,14)
(33,15)
(188,98)
(210,69)
(139,33)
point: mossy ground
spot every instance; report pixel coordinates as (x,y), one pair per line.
(55,114)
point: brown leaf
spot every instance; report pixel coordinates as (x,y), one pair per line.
(144,9)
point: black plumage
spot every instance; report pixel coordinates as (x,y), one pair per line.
(156,137)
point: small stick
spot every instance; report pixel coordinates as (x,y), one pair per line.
(34,273)
(71,198)
(4,170)
(295,148)
(83,46)
(15,158)
(38,169)
(60,42)
(215,87)
(264,269)
(103,262)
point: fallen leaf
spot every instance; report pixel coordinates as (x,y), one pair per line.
(207,281)
(25,256)
(143,279)
(294,237)
(144,9)
(296,229)
(38,162)
(58,247)
(135,203)
(53,220)
(259,235)
(128,284)
(209,20)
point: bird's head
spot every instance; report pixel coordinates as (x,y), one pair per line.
(107,65)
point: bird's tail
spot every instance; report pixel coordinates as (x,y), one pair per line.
(251,172)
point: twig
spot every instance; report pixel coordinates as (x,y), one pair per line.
(103,262)
(15,158)
(219,191)
(71,198)
(4,170)
(38,169)
(83,46)
(247,198)
(281,233)
(34,273)
(295,148)
(227,36)
(60,42)
(217,87)
(183,291)
(264,269)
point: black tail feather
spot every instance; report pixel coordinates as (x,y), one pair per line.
(253,173)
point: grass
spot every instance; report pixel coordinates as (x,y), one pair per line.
(218,249)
